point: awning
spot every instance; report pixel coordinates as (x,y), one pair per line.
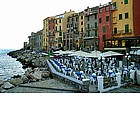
(80,53)
(95,54)
(111,53)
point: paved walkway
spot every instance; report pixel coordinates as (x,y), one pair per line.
(55,86)
(47,86)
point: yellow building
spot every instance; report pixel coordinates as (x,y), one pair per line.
(122,18)
(61,27)
(81,28)
(45,34)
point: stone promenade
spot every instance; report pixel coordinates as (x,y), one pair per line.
(55,86)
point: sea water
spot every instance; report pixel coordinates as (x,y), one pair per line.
(9,67)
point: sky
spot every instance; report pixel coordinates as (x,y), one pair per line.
(19,18)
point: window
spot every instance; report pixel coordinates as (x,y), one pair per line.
(96,33)
(106,8)
(88,18)
(104,37)
(125,1)
(95,24)
(59,20)
(95,16)
(88,26)
(81,17)
(81,29)
(120,16)
(60,28)
(104,29)
(126,15)
(88,33)
(115,30)
(107,18)
(100,20)
(60,33)
(114,5)
(127,28)
(76,19)
(100,10)
(82,23)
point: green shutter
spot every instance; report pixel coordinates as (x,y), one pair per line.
(127,28)
(125,1)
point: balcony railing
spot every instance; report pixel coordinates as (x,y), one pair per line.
(122,32)
(114,8)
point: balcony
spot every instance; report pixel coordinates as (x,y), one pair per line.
(114,8)
(122,32)
(127,32)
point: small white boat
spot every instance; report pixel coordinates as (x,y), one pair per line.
(138,76)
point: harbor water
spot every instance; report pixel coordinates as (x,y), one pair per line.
(9,67)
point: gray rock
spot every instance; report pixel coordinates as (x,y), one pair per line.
(37,75)
(16,81)
(45,74)
(24,79)
(1,82)
(7,85)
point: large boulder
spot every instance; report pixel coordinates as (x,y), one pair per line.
(37,75)
(7,85)
(1,83)
(45,74)
(16,81)
(24,79)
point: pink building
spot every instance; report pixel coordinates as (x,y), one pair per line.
(104,24)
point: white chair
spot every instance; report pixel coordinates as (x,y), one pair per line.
(92,80)
(75,75)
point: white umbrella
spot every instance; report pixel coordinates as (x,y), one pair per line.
(60,52)
(81,53)
(95,54)
(111,53)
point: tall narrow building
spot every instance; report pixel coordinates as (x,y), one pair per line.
(91,28)
(61,28)
(104,24)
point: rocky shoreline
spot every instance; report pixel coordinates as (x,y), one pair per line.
(35,66)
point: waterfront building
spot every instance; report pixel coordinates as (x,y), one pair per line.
(126,22)
(70,38)
(32,41)
(45,34)
(51,33)
(35,41)
(81,29)
(61,28)
(25,46)
(91,28)
(38,40)
(104,24)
